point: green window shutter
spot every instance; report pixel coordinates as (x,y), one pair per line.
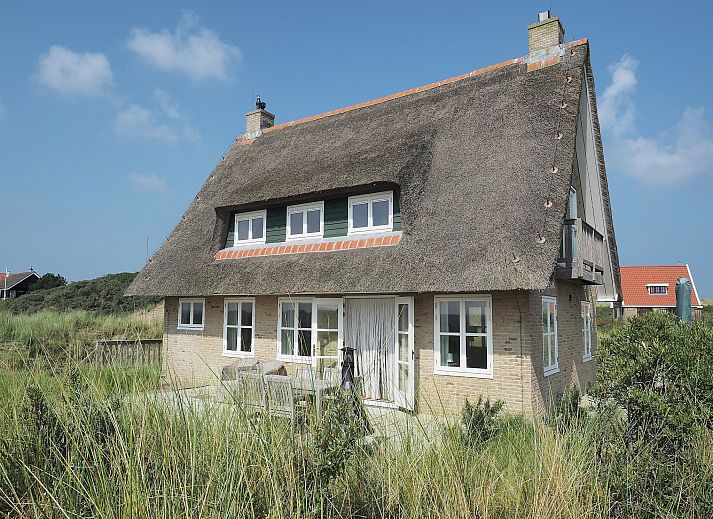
(276,225)
(397,213)
(336,215)
(230,241)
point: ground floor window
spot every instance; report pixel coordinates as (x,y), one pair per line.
(549,335)
(463,343)
(310,330)
(190,314)
(587,330)
(239,327)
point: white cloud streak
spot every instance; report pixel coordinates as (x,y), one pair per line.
(73,73)
(147,182)
(168,124)
(191,49)
(682,152)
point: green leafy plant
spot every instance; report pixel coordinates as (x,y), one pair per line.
(480,421)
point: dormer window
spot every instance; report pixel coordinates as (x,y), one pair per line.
(305,221)
(250,227)
(371,213)
(658,289)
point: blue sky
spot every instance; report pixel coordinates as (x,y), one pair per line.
(111,116)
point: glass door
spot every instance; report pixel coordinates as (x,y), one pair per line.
(327,336)
(404,354)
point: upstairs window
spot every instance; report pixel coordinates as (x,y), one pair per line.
(371,213)
(549,335)
(190,314)
(658,289)
(305,221)
(250,227)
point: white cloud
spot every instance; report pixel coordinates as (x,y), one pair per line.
(147,182)
(191,49)
(70,73)
(168,124)
(675,155)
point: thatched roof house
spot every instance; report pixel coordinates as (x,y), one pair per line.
(495,185)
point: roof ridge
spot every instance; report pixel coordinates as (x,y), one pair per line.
(403,93)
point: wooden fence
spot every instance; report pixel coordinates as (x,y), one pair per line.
(128,353)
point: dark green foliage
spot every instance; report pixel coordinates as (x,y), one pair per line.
(480,422)
(655,385)
(567,413)
(48,281)
(103,295)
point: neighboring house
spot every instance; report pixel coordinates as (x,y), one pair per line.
(16,284)
(454,234)
(652,288)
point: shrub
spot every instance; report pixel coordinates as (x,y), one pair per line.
(480,421)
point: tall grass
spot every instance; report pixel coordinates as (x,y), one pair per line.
(72,448)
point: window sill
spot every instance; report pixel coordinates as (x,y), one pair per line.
(587,358)
(187,328)
(552,371)
(463,373)
(239,354)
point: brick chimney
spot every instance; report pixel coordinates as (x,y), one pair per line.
(545,36)
(257,120)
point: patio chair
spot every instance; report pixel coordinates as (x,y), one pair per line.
(251,389)
(280,397)
(306,372)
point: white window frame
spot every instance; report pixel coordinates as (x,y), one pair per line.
(302,359)
(370,199)
(304,208)
(462,371)
(249,216)
(240,326)
(586,307)
(190,326)
(551,334)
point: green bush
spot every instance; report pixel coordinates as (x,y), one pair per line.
(655,388)
(480,422)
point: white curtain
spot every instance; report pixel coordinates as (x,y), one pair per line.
(370,330)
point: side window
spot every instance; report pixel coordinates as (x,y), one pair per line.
(587,330)
(549,335)
(191,314)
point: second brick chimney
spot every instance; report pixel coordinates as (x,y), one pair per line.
(545,35)
(257,120)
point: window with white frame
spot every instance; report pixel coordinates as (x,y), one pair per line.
(587,330)
(250,227)
(305,221)
(463,340)
(191,314)
(371,213)
(295,329)
(549,334)
(239,327)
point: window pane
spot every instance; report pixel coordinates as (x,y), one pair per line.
(257,228)
(185,313)
(403,347)
(288,315)
(246,314)
(475,316)
(305,315)
(327,318)
(360,215)
(287,346)
(476,352)
(450,316)
(403,376)
(243,230)
(545,314)
(197,313)
(327,343)
(304,347)
(232,314)
(545,347)
(246,339)
(314,218)
(450,350)
(380,213)
(232,339)
(296,226)
(403,318)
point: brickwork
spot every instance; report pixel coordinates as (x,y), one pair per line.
(545,34)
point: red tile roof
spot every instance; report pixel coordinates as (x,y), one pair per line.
(2,278)
(634,281)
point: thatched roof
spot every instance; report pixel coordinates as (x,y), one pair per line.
(472,159)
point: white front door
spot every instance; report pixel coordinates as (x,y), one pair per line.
(404,354)
(326,334)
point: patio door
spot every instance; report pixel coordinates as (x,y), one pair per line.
(326,334)
(404,354)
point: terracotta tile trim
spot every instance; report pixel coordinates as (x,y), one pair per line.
(391,97)
(271,250)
